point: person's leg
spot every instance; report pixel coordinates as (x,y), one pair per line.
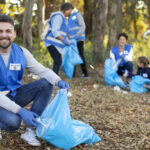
(9,121)
(56,58)
(120,70)
(80,45)
(39,92)
(128,66)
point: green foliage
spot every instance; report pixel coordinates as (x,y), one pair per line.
(141,47)
(41,54)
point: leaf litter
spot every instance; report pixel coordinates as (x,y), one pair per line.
(121,120)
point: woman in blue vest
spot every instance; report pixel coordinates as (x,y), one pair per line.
(77,31)
(13,95)
(56,38)
(123,53)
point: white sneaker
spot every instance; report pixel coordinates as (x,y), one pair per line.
(0,135)
(30,137)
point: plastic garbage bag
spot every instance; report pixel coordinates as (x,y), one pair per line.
(136,84)
(70,59)
(111,76)
(58,128)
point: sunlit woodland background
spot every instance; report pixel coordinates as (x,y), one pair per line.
(104,20)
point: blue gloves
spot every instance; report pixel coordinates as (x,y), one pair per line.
(28,117)
(65,42)
(63,85)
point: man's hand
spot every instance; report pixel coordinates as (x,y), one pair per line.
(28,117)
(63,85)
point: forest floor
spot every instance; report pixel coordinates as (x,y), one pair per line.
(122,120)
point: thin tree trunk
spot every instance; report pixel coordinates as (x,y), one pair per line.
(88,5)
(133,7)
(99,24)
(119,16)
(27,25)
(114,22)
(148,10)
(40,19)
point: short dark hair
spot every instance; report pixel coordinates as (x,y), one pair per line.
(66,6)
(144,60)
(124,35)
(6,18)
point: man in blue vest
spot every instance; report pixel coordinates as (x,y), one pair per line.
(56,38)
(123,54)
(14,96)
(77,31)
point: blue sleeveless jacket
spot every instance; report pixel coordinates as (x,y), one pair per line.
(50,39)
(115,51)
(74,27)
(11,76)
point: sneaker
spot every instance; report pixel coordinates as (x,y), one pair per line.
(30,137)
(84,77)
(0,135)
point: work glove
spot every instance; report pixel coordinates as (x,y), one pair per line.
(28,117)
(63,85)
(66,42)
(126,73)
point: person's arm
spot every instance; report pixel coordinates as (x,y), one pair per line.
(112,56)
(81,24)
(8,104)
(37,69)
(129,56)
(56,25)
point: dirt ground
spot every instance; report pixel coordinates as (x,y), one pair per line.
(122,120)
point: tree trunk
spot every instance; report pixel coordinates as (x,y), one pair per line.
(148,10)
(40,20)
(27,25)
(99,24)
(119,16)
(114,22)
(133,7)
(88,5)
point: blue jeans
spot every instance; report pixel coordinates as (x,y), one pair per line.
(127,66)
(39,92)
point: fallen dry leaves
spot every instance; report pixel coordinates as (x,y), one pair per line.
(121,120)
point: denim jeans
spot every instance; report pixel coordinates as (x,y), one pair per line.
(38,92)
(127,66)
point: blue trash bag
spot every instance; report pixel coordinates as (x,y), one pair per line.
(111,76)
(136,84)
(70,59)
(58,128)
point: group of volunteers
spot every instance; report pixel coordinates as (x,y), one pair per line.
(123,54)
(63,26)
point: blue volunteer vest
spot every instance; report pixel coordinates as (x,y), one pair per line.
(74,27)
(11,76)
(50,39)
(115,51)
